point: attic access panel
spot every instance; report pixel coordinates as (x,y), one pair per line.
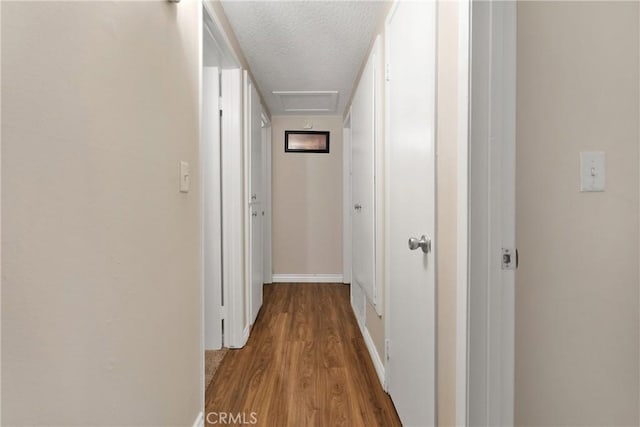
(306,141)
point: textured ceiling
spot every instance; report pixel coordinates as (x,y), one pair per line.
(310,46)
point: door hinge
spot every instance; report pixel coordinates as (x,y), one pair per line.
(387,346)
(220,104)
(387,72)
(223,312)
(509,258)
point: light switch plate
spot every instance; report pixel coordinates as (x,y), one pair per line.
(184,177)
(592,171)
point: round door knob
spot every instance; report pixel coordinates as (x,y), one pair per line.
(424,243)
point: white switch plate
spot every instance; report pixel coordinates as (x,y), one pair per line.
(184,177)
(592,171)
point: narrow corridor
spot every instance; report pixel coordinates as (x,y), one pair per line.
(305,364)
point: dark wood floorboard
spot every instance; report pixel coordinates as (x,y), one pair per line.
(305,364)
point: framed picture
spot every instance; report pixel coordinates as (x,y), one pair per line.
(306,141)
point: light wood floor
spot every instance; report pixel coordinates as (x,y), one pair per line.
(305,364)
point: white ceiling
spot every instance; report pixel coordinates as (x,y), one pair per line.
(312,47)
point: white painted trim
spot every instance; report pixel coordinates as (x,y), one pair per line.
(491,213)
(307,278)
(201,18)
(387,207)
(379,174)
(346,198)
(462,231)
(211,220)
(375,357)
(246,147)
(226,43)
(233,207)
(199,422)
(267,229)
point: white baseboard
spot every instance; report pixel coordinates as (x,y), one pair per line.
(307,278)
(375,357)
(199,422)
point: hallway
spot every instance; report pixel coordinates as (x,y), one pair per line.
(305,363)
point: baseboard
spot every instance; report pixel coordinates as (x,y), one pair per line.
(375,357)
(199,422)
(307,278)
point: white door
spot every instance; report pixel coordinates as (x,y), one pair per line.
(363,183)
(256,202)
(411,100)
(212,256)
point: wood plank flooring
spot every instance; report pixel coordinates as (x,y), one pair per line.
(305,364)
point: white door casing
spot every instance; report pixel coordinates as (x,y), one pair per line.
(211,221)
(266,182)
(491,213)
(346,200)
(256,200)
(363,209)
(233,210)
(410,208)
(462,229)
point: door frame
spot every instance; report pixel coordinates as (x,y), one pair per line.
(211,220)
(486,314)
(346,198)
(266,170)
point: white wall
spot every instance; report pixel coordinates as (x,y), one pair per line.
(307,201)
(577,286)
(101,273)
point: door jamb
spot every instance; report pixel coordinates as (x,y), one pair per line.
(462,232)
(266,170)
(346,198)
(491,214)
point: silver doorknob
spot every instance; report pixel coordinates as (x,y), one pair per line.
(357,206)
(254,214)
(424,243)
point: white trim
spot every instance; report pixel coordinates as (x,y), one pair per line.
(199,422)
(346,198)
(233,207)
(375,357)
(211,220)
(266,224)
(387,190)
(379,177)
(491,213)
(462,213)
(307,278)
(246,147)
(221,33)
(201,18)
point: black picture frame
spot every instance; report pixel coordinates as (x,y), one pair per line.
(316,141)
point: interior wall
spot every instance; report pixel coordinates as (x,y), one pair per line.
(577,285)
(446,220)
(101,295)
(307,201)
(446,223)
